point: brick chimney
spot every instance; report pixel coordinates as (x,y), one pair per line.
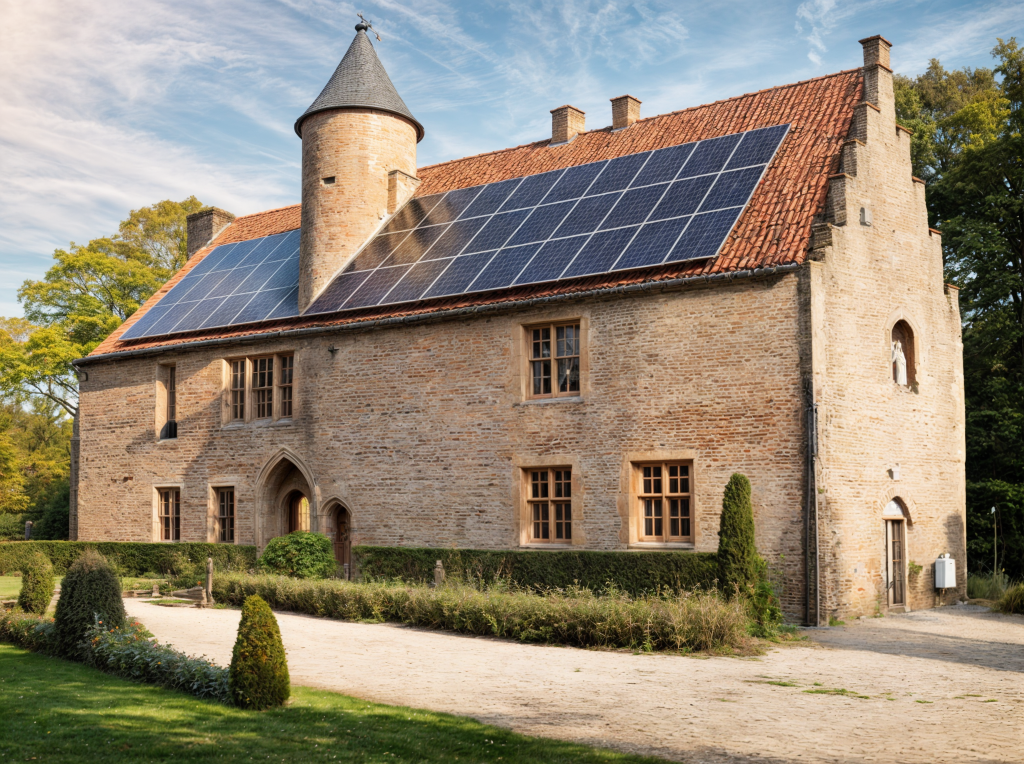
(877,74)
(625,111)
(566,123)
(201,227)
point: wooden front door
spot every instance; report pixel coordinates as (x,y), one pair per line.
(342,541)
(895,562)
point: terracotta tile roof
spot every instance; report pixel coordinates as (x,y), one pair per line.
(774,230)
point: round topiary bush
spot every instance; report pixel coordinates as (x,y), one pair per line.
(300,554)
(258,676)
(37,583)
(90,590)
(738,562)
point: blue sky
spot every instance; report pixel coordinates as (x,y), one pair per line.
(109,106)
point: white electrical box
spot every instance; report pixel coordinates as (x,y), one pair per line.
(945,572)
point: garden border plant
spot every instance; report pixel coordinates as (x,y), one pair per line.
(130,558)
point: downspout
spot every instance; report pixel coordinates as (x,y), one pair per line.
(812,567)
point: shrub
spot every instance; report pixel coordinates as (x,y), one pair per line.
(258,677)
(29,631)
(300,554)
(132,653)
(738,562)
(1012,601)
(131,558)
(12,527)
(700,620)
(37,584)
(89,592)
(987,586)
(635,573)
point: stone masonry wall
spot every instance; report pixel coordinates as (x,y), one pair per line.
(864,281)
(420,430)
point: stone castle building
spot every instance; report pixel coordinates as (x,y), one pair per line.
(394,362)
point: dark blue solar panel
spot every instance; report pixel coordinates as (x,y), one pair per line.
(376,286)
(600,253)
(497,231)
(634,206)
(574,182)
(416,281)
(709,156)
(449,208)
(651,244)
(450,243)
(732,188)
(550,261)
(415,245)
(705,234)
(540,224)
(458,235)
(531,190)
(260,306)
(338,292)
(618,174)
(412,213)
(683,197)
(504,268)
(491,198)
(459,274)
(757,146)
(586,216)
(663,165)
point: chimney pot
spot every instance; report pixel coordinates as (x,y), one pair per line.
(566,123)
(876,51)
(201,227)
(625,111)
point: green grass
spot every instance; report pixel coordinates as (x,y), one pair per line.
(837,691)
(10,587)
(57,711)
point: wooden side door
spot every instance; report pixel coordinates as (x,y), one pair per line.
(895,563)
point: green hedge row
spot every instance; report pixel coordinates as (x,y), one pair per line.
(131,558)
(632,572)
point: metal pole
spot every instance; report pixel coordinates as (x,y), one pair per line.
(995,544)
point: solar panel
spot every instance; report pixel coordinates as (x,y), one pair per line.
(234,284)
(636,211)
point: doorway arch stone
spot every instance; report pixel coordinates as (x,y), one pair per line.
(282,479)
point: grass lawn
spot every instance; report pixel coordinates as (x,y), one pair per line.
(10,587)
(54,710)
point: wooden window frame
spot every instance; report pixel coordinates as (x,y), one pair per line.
(552,360)
(237,395)
(548,497)
(168,514)
(224,499)
(649,494)
(284,381)
(262,395)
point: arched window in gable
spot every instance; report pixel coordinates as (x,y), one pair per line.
(904,370)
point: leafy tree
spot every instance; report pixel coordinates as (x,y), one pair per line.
(971,150)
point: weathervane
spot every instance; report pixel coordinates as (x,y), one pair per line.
(363,25)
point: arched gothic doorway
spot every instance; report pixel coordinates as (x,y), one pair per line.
(895,518)
(286,500)
(339,530)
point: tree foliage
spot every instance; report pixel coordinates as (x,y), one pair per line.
(969,146)
(738,562)
(300,554)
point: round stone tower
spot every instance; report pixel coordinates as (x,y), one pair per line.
(358,143)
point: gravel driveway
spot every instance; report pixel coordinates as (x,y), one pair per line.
(943,685)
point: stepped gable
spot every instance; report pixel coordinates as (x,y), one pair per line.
(775,228)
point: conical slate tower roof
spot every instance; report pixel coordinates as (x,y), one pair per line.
(361,82)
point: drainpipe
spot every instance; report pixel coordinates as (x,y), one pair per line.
(812,563)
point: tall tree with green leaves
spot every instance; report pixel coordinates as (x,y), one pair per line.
(968,145)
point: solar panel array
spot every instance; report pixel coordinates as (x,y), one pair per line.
(636,211)
(640,210)
(255,280)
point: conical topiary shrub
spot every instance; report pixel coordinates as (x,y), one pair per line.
(738,562)
(37,584)
(90,590)
(258,677)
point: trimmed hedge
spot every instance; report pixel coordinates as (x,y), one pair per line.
(37,584)
(89,594)
(301,554)
(635,573)
(129,558)
(258,676)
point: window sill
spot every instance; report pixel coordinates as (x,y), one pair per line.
(653,546)
(166,440)
(545,401)
(543,546)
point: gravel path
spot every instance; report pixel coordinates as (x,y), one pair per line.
(944,685)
